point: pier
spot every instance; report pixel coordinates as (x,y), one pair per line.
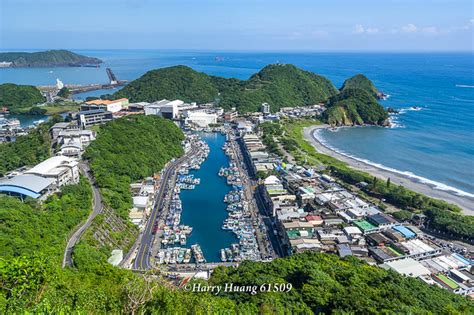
(81,88)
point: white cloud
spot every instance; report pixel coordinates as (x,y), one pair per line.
(410,28)
(359,29)
(371,30)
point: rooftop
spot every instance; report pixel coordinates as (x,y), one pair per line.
(28,185)
(364,225)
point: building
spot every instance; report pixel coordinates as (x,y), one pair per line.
(72,147)
(85,137)
(23,186)
(64,170)
(59,127)
(200,118)
(168,109)
(93,117)
(265,108)
(408,267)
(42,179)
(112,106)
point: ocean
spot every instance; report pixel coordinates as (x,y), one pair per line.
(434,143)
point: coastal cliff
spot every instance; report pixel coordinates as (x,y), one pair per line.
(50,58)
(354,107)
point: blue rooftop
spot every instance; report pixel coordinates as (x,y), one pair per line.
(405,231)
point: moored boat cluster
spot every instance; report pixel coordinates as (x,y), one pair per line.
(239,220)
(175,234)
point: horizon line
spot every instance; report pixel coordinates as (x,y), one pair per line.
(242,50)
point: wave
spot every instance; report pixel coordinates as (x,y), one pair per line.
(415,178)
(411,109)
(465,86)
(395,122)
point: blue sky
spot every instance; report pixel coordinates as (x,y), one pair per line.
(268,25)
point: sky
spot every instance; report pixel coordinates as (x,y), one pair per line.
(244,25)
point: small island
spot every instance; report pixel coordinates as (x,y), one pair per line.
(50,58)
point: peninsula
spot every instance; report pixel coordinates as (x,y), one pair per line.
(50,58)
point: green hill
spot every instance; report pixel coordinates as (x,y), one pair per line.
(179,82)
(129,149)
(278,85)
(360,81)
(354,107)
(15,96)
(50,58)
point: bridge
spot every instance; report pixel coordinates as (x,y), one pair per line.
(81,88)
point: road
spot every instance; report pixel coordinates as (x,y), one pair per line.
(142,260)
(97,208)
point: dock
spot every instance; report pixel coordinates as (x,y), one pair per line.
(81,88)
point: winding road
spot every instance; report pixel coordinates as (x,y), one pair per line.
(97,208)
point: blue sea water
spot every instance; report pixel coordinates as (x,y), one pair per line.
(435,143)
(204,208)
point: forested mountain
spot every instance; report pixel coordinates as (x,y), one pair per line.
(280,85)
(179,82)
(50,58)
(129,149)
(14,96)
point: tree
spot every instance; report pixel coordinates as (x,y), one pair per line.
(388,182)
(64,92)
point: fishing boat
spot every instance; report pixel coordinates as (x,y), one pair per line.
(223,257)
(181,253)
(182,239)
(187,256)
(198,255)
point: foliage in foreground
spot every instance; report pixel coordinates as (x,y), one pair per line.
(33,236)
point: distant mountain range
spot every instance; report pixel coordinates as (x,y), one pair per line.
(280,85)
(50,58)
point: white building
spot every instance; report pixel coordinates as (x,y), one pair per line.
(108,105)
(64,170)
(72,147)
(265,108)
(164,108)
(200,118)
(168,109)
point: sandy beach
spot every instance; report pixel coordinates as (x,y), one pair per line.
(465,202)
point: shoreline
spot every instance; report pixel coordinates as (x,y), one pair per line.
(466,203)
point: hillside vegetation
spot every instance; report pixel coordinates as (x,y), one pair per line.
(280,85)
(360,81)
(179,82)
(354,107)
(277,85)
(29,149)
(129,149)
(14,97)
(50,58)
